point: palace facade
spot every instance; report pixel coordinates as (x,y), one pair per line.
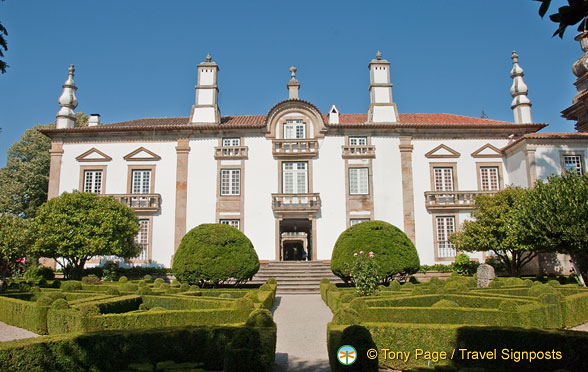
(294,178)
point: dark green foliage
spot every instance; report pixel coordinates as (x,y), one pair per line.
(71,285)
(394,252)
(115,350)
(245,353)
(215,253)
(37,273)
(361,339)
(463,266)
(260,318)
(184,287)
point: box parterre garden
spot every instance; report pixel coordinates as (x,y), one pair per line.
(127,324)
(511,316)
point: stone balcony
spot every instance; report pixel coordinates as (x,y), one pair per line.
(139,202)
(231,152)
(295,148)
(296,203)
(438,200)
(358,151)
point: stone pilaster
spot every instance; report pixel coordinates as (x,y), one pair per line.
(56,153)
(182,151)
(407,186)
(531,165)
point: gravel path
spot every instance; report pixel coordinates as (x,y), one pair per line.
(302,333)
(9,333)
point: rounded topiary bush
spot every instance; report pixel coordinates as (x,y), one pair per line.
(445,303)
(361,339)
(539,289)
(184,287)
(112,291)
(393,251)
(252,296)
(273,281)
(158,281)
(214,253)
(123,279)
(129,287)
(89,310)
(144,291)
(147,278)
(71,285)
(260,318)
(60,304)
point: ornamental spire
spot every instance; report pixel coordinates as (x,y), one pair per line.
(66,117)
(521,104)
(293,85)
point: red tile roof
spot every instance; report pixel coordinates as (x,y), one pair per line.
(557,136)
(419,119)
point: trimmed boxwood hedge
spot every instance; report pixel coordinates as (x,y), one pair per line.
(115,350)
(393,251)
(24,314)
(214,253)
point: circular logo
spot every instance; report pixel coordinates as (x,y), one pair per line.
(346,355)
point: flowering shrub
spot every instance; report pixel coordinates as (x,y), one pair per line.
(364,273)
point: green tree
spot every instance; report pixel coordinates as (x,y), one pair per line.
(15,239)
(74,227)
(493,228)
(25,179)
(552,217)
(567,15)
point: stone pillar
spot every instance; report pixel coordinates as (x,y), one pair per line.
(531,165)
(56,152)
(407,186)
(182,151)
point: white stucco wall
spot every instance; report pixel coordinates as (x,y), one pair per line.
(202,179)
(116,183)
(548,159)
(516,168)
(387,179)
(329,181)
(261,180)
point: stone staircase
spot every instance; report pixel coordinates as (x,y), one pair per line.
(295,277)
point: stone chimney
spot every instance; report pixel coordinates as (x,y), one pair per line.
(382,108)
(94,120)
(205,110)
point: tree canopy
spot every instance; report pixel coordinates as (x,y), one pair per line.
(552,217)
(494,228)
(15,239)
(567,15)
(4,46)
(74,227)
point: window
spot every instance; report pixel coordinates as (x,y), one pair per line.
(355,221)
(573,163)
(230,181)
(231,142)
(234,223)
(141,181)
(142,239)
(445,227)
(295,178)
(294,129)
(357,141)
(93,181)
(443,178)
(358,181)
(489,178)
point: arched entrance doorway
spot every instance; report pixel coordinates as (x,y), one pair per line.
(295,240)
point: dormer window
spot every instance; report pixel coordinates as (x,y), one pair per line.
(294,129)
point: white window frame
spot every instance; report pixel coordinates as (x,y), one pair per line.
(355,221)
(441,176)
(141,181)
(357,141)
(294,129)
(231,142)
(142,238)
(230,182)
(577,164)
(93,180)
(489,178)
(359,183)
(231,222)
(295,177)
(444,227)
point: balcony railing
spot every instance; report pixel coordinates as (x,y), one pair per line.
(140,202)
(453,199)
(359,151)
(231,152)
(307,203)
(295,147)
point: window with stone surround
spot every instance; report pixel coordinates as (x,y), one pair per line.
(445,226)
(294,177)
(358,181)
(142,239)
(141,181)
(357,141)
(294,129)
(233,222)
(230,182)
(443,178)
(231,142)
(573,163)
(93,181)
(489,179)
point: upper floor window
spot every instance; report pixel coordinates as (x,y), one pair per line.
(358,181)
(294,177)
(142,239)
(234,223)
(93,181)
(231,142)
(357,141)
(489,178)
(230,182)
(445,227)
(141,181)
(294,129)
(573,163)
(443,178)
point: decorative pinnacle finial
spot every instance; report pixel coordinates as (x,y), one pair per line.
(515,57)
(208,57)
(379,55)
(293,72)
(72,70)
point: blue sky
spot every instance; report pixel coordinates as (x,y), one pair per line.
(138,59)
